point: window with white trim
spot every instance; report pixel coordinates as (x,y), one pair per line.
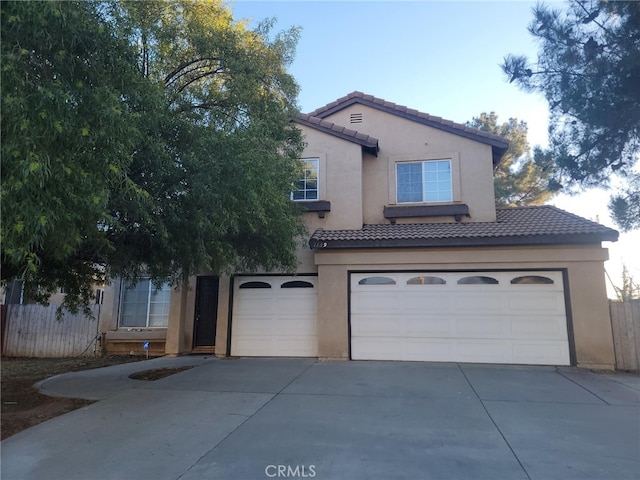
(144,305)
(307,187)
(424,181)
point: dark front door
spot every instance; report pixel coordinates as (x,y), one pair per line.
(204,329)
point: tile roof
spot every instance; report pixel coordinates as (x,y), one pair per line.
(325,126)
(544,225)
(499,144)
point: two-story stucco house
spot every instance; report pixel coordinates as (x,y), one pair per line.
(408,259)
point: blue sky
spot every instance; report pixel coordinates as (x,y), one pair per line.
(439,57)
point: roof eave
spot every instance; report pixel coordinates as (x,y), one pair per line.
(370,145)
(525,240)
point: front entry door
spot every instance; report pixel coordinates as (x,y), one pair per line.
(206,313)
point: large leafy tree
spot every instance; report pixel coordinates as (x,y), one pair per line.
(588,68)
(143,139)
(521,178)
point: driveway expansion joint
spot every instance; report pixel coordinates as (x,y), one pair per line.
(524,470)
(246,419)
(581,386)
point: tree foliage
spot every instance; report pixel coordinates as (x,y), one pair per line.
(630,289)
(520,178)
(588,68)
(143,138)
(625,205)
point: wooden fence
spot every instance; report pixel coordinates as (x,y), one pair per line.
(625,323)
(35,331)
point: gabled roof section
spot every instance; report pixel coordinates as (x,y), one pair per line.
(544,225)
(499,144)
(368,143)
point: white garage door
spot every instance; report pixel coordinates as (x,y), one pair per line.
(274,317)
(486,317)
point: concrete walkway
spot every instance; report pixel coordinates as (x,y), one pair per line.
(302,418)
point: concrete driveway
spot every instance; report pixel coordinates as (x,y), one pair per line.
(302,418)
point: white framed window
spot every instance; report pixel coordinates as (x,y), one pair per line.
(424,181)
(144,305)
(307,187)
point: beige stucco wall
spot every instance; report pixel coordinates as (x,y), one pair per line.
(588,300)
(404,140)
(340,179)
(181,315)
(332,327)
(222,324)
(110,304)
(340,182)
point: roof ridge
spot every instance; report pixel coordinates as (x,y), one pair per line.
(378,102)
(527,206)
(551,207)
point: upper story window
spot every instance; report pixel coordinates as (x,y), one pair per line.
(144,305)
(307,187)
(424,181)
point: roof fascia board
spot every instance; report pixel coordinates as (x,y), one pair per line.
(581,239)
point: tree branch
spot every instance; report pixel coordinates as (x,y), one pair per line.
(170,77)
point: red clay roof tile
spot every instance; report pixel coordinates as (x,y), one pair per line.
(513,226)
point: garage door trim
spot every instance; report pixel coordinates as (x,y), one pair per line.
(565,287)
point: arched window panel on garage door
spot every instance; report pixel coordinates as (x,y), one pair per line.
(532,280)
(297,284)
(255,285)
(426,280)
(377,281)
(478,280)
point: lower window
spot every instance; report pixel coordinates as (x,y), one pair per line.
(144,305)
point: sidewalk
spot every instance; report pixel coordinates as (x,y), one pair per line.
(100,383)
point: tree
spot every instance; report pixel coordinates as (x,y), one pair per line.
(143,139)
(519,179)
(630,289)
(625,205)
(66,141)
(588,68)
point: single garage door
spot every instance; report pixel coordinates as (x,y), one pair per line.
(485,317)
(274,317)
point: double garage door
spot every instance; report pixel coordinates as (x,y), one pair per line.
(486,317)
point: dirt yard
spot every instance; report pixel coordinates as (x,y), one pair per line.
(23,406)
